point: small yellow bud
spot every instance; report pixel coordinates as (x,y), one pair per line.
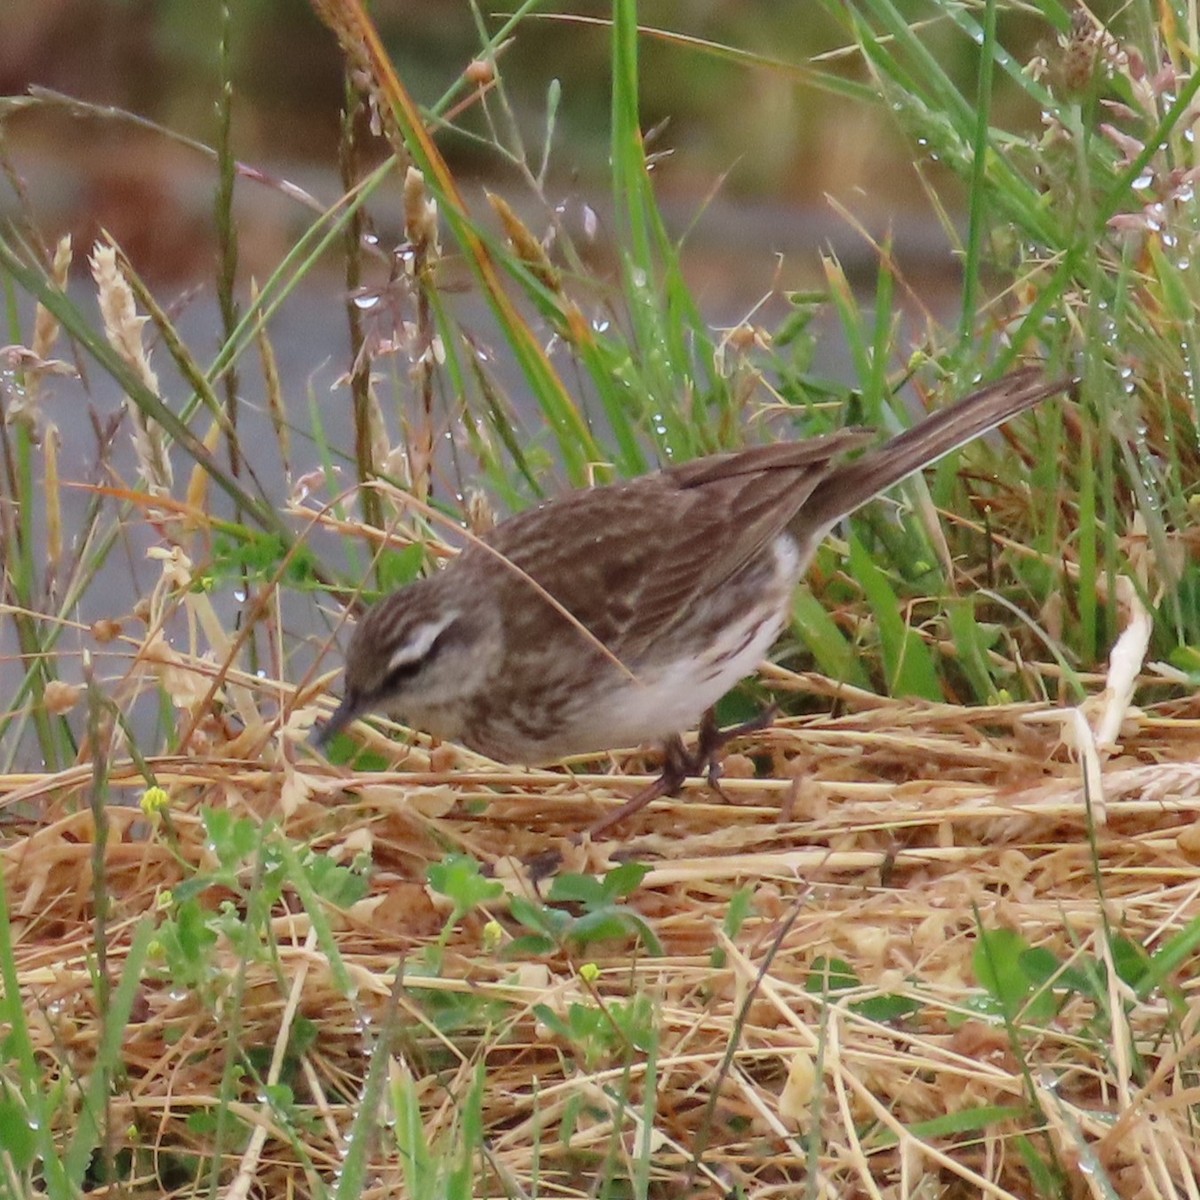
(154,800)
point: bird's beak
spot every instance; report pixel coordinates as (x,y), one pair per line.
(342,716)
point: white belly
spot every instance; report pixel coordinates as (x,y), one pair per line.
(678,696)
(672,697)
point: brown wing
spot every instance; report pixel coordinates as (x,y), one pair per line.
(784,456)
(760,490)
(853,484)
(630,560)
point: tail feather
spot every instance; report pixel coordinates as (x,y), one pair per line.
(853,484)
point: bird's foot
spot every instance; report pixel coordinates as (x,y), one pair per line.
(710,746)
(679,763)
(677,766)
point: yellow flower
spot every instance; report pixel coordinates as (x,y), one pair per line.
(154,800)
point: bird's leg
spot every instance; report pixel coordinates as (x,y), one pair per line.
(677,766)
(712,741)
(679,763)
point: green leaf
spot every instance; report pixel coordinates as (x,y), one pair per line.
(577,889)
(835,655)
(740,905)
(886,1008)
(624,880)
(602,926)
(415,1158)
(196,936)
(1042,967)
(1039,964)
(233,839)
(997,965)
(1045,1178)
(972,641)
(551,1020)
(17,1136)
(303,1036)
(459,878)
(550,921)
(909,667)
(279,1096)
(967,1120)
(829,975)
(1186,658)
(339,885)
(531,945)
(398,567)
(202,1122)
(586,1022)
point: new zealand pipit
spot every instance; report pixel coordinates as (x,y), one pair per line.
(618,615)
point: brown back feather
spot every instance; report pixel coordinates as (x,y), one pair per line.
(630,560)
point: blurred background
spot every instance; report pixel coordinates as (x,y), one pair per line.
(756,155)
(761,166)
(772,148)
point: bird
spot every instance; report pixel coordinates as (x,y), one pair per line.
(617,615)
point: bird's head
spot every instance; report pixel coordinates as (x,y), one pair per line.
(419,654)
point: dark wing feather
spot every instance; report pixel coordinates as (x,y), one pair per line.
(630,560)
(784,456)
(758,491)
(941,432)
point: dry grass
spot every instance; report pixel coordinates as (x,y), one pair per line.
(908,831)
(921,951)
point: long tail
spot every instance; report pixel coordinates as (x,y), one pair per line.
(852,485)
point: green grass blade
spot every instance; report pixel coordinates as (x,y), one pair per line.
(907,661)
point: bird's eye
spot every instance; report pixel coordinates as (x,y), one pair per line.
(415,656)
(397,677)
